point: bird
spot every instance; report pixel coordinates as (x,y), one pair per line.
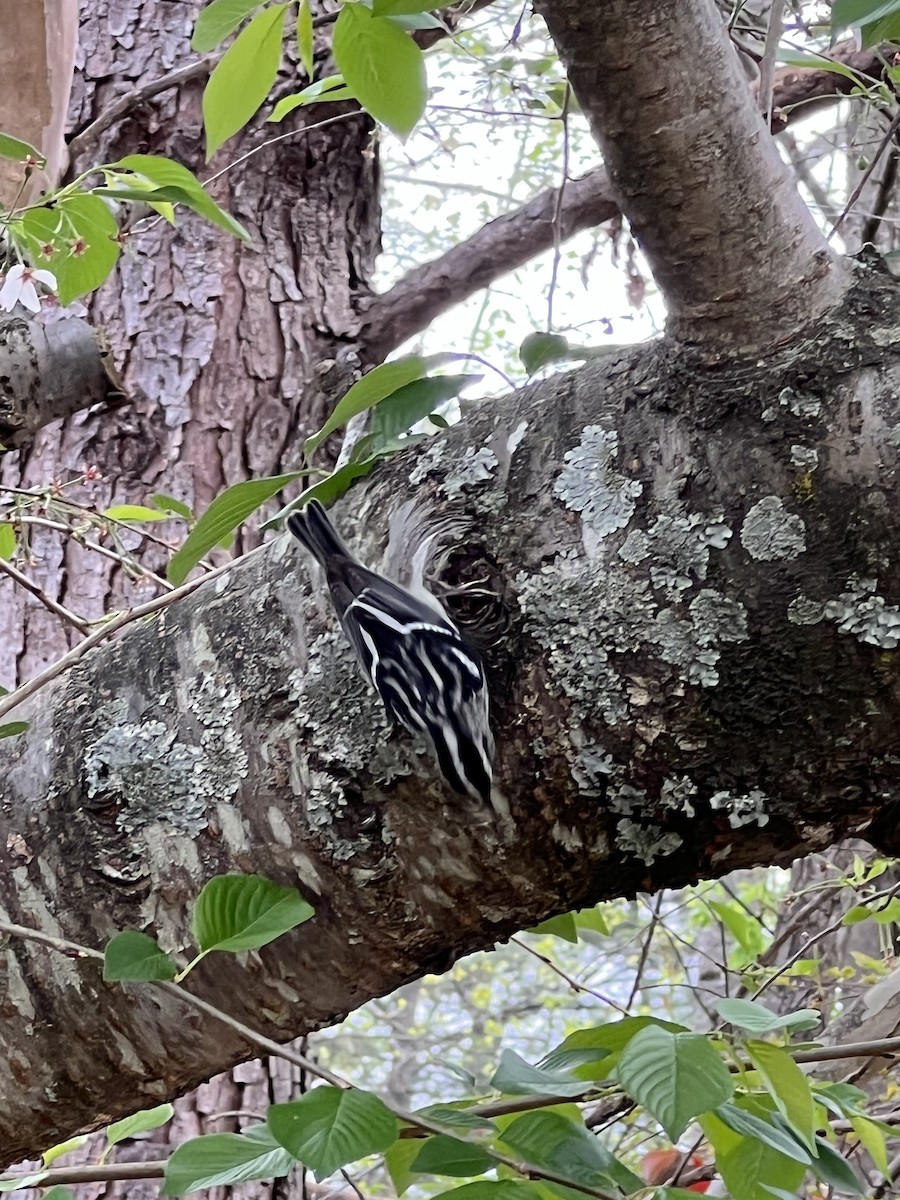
(430,680)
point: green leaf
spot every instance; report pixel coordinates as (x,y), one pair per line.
(788,1087)
(456,1118)
(305,43)
(22,1181)
(78,218)
(58,1192)
(15,148)
(399,411)
(398,1159)
(505,1189)
(13,728)
(845,13)
(515,1077)
(607,1040)
(390,8)
(562,927)
(142,1122)
(746,1123)
(245,912)
(131,956)
(445,1155)
(547,1139)
(229,509)
(243,77)
(748,1167)
(811,61)
(539,349)
(321,92)
(171,505)
(167,174)
(7,541)
(872,1137)
(374,386)
(330,1127)
(833,1169)
(591,920)
(224,1159)
(754,1017)
(744,928)
(133,512)
(55,1152)
(217,20)
(382,66)
(677,1076)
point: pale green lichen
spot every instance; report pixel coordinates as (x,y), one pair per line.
(744,808)
(769,532)
(804,611)
(863,614)
(647,842)
(677,793)
(475,466)
(679,547)
(693,645)
(591,485)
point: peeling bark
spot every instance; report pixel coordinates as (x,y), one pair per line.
(699,675)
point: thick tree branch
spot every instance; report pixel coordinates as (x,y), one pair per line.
(697,676)
(48,372)
(730,243)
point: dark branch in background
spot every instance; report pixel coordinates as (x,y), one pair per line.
(730,243)
(499,246)
(49,372)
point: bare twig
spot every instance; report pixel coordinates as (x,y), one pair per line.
(48,602)
(645,948)
(857,191)
(573,983)
(767,63)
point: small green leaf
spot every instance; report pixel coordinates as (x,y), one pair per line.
(243,77)
(754,1017)
(445,1155)
(456,1118)
(515,1077)
(321,92)
(562,927)
(744,927)
(244,912)
(397,1159)
(133,512)
(330,1127)
(788,1087)
(391,8)
(13,728)
(606,1041)
(750,1168)
(142,1122)
(374,386)
(171,505)
(398,412)
(540,349)
(7,541)
(676,1076)
(382,66)
(591,920)
(167,174)
(58,1192)
(833,1169)
(55,1152)
(305,44)
(217,20)
(229,509)
(225,1159)
(872,1137)
(22,1181)
(131,956)
(15,148)
(752,1126)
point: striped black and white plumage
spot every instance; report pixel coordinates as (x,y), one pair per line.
(430,681)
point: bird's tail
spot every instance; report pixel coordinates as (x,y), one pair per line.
(311,527)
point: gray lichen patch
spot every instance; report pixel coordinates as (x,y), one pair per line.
(151,775)
(679,548)
(769,532)
(805,457)
(804,611)
(865,615)
(677,793)
(591,485)
(798,404)
(646,842)
(476,466)
(742,808)
(693,645)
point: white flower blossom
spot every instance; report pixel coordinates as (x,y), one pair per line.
(19,287)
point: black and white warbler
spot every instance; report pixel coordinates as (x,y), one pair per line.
(429,680)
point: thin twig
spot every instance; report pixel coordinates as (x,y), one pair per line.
(645,948)
(573,983)
(557,213)
(48,602)
(767,62)
(857,191)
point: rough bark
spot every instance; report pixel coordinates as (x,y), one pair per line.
(699,674)
(730,244)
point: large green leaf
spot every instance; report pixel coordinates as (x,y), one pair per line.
(244,912)
(82,233)
(330,1127)
(748,1166)
(750,1125)
(445,1155)
(547,1139)
(515,1077)
(224,515)
(833,1169)
(133,512)
(225,1159)
(243,77)
(135,957)
(382,66)
(217,20)
(142,1122)
(398,412)
(845,13)
(788,1087)
(323,91)
(13,728)
(607,1040)
(562,926)
(676,1076)
(167,174)
(19,151)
